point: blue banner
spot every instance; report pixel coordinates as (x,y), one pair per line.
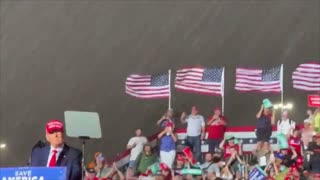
(33,173)
(257,174)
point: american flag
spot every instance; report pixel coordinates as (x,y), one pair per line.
(259,80)
(208,81)
(148,86)
(307,77)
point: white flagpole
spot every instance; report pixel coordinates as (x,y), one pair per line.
(222,91)
(281,84)
(169,76)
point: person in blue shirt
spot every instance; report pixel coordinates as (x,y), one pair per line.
(167,145)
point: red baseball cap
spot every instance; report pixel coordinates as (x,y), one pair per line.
(217,109)
(163,167)
(54,125)
(180,158)
(169,124)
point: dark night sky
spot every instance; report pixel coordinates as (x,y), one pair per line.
(75,55)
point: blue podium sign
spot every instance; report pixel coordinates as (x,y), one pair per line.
(33,173)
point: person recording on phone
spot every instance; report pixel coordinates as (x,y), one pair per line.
(167,145)
(216,129)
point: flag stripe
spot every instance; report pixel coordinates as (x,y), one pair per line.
(257,82)
(307,77)
(200,70)
(306,74)
(142,88)
(305,83)
(197,91)
(149,96)
(162,92)
(246,77)
(194,87)
(307,88)
(258,90)
(199,83)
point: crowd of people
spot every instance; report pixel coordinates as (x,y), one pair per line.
(297,155)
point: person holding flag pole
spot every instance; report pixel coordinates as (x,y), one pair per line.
(168,116)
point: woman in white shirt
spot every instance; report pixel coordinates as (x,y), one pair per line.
(286,125)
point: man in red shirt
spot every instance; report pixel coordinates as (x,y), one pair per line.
(229,147)
(216,129)
(295,142)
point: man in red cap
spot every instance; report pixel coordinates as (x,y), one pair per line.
(57,153)
(216,129)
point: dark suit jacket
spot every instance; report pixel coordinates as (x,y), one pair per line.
(69,157)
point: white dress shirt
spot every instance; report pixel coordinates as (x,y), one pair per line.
(59,150)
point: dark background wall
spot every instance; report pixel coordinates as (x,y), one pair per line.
(75,55)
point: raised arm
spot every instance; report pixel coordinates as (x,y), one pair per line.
(160,120)
(294,153)
(276,171)
(233,156)
(239,160)
(211,120)
(110,173)
(131,144)
(240,148)
(174,137)
(259,112)
(222,143)
(183,118)
(273,117)
(120,174)
(162,133)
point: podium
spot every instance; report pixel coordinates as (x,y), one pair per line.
(33,173)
